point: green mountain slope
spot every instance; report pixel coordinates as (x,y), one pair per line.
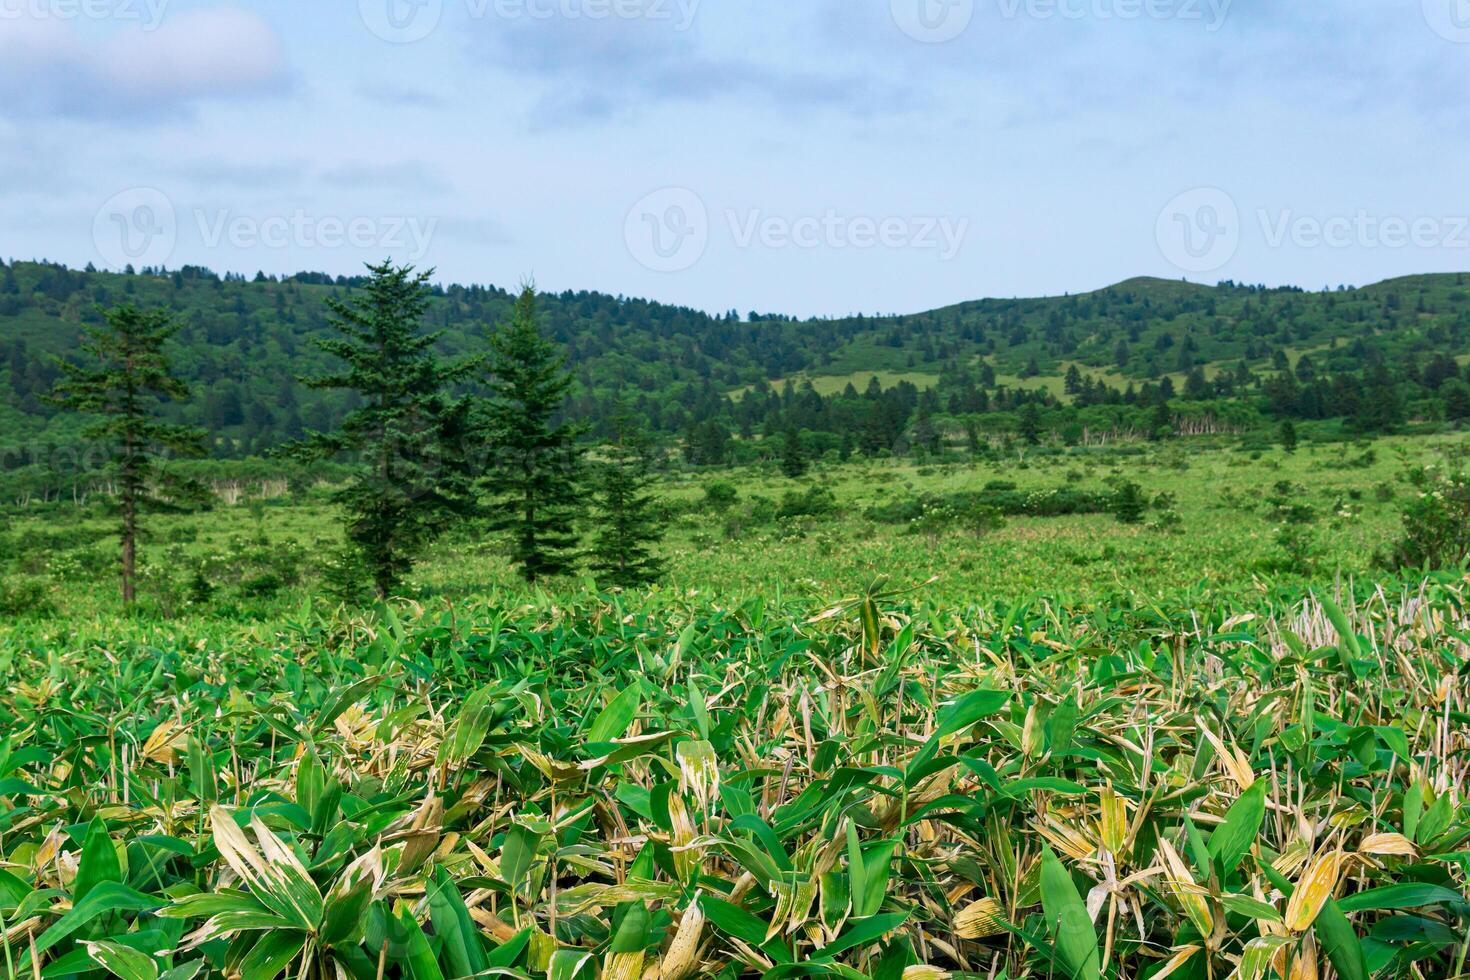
(245,342)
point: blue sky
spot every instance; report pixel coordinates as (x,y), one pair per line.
(813,158)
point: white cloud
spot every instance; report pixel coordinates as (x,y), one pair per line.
(58,67)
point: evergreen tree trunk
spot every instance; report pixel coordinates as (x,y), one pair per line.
(129,548)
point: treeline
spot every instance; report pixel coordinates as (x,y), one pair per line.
(967,410)
(243,343)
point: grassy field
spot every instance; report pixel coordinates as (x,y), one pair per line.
(1213,530)
(855,733)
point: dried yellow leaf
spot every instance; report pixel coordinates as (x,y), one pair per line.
(1389,845)
(925,973)
(979,920)
(1316,886)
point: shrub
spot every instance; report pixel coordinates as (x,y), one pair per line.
(720,496)
(812,502)
(940,517)
(24,596)
(1168,521)
(1057,502)
(1129,504)
(1297,547)
(1436,523)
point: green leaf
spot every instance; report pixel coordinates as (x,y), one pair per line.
(614,720)
(877,866)
(109,896)
(864,932)
(1408,895)
(1061,726)
(506,954)
(856,868)
(1341,944)
(1073,937)
(456,930)
(271,954)
(632,934)
(1232,840)
(418,956)
(734,920)
(345,697)
(970,709)
(98,863)
(567,963)
(698,710)
(121,961)
(185,971)
(1250,907)
(471,728)
(1345,633)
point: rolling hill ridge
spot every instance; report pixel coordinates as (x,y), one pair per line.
(244,342)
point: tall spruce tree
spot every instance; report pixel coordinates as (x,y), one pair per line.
(793,457)
(536,462)
(410,438)
(625,512)
(123,378)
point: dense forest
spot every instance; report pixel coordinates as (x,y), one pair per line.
(1141,359)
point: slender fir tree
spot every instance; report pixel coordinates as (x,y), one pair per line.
(625,511)
(793,457)
(123,378)
(536,462)
(409,438)
(1030,424)
(1287,435)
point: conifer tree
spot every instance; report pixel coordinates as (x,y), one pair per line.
(1288,436)
(536,462)
(410,436)
(1029,424)
(123,378)
(625,511)
(793,457)
(1161,420)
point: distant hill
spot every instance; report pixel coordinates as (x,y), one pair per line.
(244,342)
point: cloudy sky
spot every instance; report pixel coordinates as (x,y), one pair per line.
(817,157)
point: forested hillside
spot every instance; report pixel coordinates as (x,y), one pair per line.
(1126,360)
